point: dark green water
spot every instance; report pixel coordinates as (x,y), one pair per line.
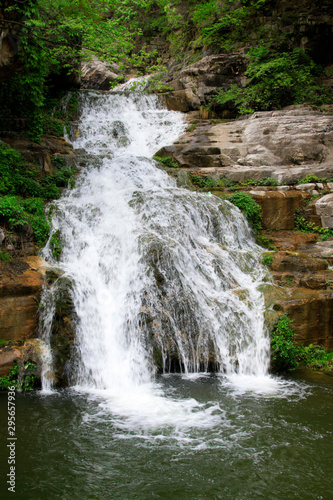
(69,445)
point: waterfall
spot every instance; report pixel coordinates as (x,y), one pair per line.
(165,278)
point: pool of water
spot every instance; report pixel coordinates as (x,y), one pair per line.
(238,441)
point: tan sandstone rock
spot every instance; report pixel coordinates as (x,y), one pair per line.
(21,282)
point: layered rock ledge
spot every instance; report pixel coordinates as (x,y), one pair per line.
(286,144)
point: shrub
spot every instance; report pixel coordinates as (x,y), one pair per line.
(167,161)
(268,259)
(250,208)
(203,181)
(310,178)
(276,79)
(285,353)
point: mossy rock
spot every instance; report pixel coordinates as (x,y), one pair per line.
(63,332)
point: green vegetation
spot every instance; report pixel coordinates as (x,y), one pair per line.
(25,382)
(55,244)
(288,355)
(55,35)
(23,192)
(267,259)
(275,80)
(312,178)
(301,224)
(203,181)
(167,161)
(4,257)
(250,208)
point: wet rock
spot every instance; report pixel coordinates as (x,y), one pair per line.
(28,358)
(296,262)
(62,333)
(21,283)
(312,314)
(40,155)
(278,209)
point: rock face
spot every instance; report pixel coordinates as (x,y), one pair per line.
(62,333)
(324,208)
(303,286)
(21,283)
(278,208)
(193,85)
(99,75)
(286,144)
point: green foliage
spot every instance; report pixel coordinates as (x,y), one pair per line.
(203,181)
(4,257)
(301,224)
(267,259)
(24,194)
(220,22)
(276,79)
(317,358)
(265,181)
(288,355)
(24,379)
(11,379)
(250,208)
(15,176)
(309,178)
(167,161)
(29,380)
(12,211)
(52,126)
(285,353)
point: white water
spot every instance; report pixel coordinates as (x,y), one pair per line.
(160,272)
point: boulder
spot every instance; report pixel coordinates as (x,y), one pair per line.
(278,209)
(311,312)
(194,84)
(98,74)
(296,263)
(324,208)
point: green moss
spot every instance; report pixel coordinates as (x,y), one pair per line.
(55,244)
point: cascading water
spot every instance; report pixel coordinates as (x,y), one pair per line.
(163,277)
